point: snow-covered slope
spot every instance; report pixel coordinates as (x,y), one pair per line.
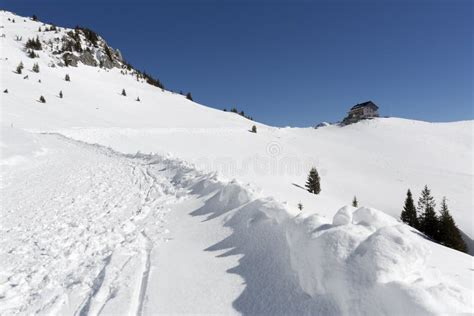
(291,263)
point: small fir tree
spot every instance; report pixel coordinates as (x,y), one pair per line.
(61,94)
(5,91)
(428,221)
(449,234)
(36,67)
(67,78)
(408,214)
(189,96)
(300,206)
(31,54)
(124,93)
(138,99)
(355,203)
(42,99)
(19,68)
(313,184)
(254,129)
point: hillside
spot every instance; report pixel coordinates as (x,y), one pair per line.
(179,197)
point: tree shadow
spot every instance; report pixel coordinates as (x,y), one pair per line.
(299,186)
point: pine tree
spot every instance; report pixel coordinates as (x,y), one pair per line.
(300,206)
(36,67)
(355,203)
(5,91)
(408,214)
(67,78)
(34,44)
(428,221)
(189,96)
(19,68)
(254,129)
(42,99)
(449,234)
(138,99)
(124,93)
(313,183)
(61,94)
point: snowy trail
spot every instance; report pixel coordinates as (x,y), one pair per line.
(90,231)
(76,224)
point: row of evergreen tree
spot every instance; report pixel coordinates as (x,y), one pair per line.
(33,43)
(20,67)
(241,113)
(441,228)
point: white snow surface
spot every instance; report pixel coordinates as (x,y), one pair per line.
(112,206)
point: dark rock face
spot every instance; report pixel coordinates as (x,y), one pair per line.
(70,60)
(87,59)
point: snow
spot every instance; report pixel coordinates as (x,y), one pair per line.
(343,216)
(112,206)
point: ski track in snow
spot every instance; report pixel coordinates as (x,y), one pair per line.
(87,218)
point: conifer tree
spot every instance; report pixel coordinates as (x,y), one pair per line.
(36,67)
(19,68)
(428,221)
(61,94)
(313,184)
(67,78)
(189,96)
(355,203)
(300,206)
(42,99)
(408,214)
(124,93)
(138,99)
(449,234)
(254,129)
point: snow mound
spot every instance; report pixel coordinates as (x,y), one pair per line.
(343,216)
(370,264)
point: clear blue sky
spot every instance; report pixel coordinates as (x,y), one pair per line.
(289,62)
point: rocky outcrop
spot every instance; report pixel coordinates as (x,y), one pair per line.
(87,59)
(69,59)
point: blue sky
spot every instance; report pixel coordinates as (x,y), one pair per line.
(292,63)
